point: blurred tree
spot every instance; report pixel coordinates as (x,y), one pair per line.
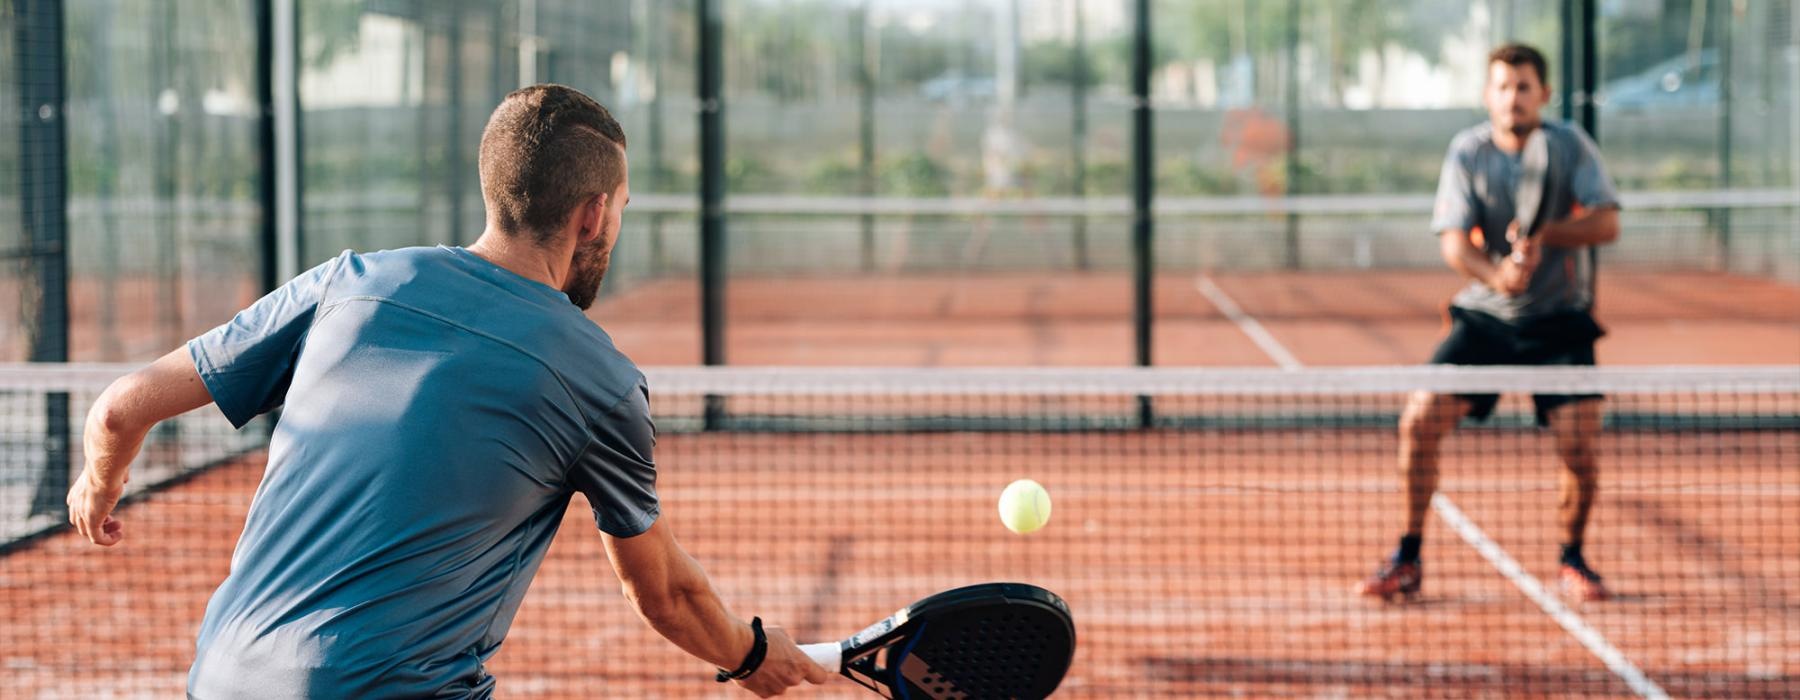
(1340,33)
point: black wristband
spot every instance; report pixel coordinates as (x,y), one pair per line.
(753,660)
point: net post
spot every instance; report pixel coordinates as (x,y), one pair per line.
(1566,90)
(1078,129)
(283,117)
(268,239)
(1143,186)
(865,118)
(1590,86)
(1292,35)
(652,14)
(712,196)
(452,181)
(1590,70)
(43,205)
(1724,40)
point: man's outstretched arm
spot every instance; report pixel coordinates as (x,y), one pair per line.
(115,430)
(673,594)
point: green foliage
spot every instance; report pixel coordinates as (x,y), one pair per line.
(1677,173)
(776,48)
(1053,62)
(908,59)
(1635,42)
(1108,177)
(834,175)
(1365,172)
(1219,31)
(328,28)
(1188,177)
(913,174)
(750,174)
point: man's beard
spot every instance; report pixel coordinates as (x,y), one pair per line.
(585,273)
(1522,126)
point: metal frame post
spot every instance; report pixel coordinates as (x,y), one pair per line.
(1143,188)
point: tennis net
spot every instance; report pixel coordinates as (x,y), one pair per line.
(1209,530)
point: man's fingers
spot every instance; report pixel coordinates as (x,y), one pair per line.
(111,532)
(786,666)
(817,675)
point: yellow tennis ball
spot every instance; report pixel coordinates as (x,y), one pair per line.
(1024,506)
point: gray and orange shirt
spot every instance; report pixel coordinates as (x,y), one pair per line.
(1475,191)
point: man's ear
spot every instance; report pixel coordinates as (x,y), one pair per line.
(593,215)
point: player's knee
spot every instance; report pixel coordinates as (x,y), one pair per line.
(1584,471)
(1419,471)
(1578,452)
(1581,467)
(1421,427)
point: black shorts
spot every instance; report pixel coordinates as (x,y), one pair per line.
(1477,338)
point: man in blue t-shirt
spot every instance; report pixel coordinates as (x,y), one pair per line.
(1528,302)
(440,407)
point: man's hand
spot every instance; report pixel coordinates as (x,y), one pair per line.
(784,667)
(114,432)
(90,510)
(673,594)
(1514,275)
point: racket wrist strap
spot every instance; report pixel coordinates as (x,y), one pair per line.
(752,661)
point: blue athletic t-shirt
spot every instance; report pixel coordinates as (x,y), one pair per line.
(438,413)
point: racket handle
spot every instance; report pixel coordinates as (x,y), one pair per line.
(827,654)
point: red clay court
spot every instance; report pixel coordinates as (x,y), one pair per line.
(1212,554)
(1322,318)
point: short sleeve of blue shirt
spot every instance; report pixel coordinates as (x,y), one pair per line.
(248,362)
(1589,183)
(617,472)
(1456,208)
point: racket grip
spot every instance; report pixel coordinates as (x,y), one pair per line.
(827,654)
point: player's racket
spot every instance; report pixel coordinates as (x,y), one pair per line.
(1534,165)
(991,640)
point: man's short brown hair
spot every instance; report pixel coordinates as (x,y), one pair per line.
(1521,55)
(547,149)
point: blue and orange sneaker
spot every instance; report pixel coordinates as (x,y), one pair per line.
(1395,578)
(1581,584)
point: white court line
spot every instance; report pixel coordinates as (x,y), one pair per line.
(1551,605)
(1259,335)
(1490,550)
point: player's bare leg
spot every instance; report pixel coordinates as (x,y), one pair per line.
(1577,428)
(1426,420)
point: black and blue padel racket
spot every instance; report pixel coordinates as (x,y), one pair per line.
(1528,196)
(991,640)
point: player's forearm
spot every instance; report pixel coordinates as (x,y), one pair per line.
(688,612)
(1595,227)
(125,412)
(1462,256)
(113,435)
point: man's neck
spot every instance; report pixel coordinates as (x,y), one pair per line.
(521,257)
(1513,141)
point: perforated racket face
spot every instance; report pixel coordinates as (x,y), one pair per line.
(990,640)
(1016,650)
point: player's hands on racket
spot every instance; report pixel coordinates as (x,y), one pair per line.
(784,667)
(90,509)
(1528,195)
(1517,268)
